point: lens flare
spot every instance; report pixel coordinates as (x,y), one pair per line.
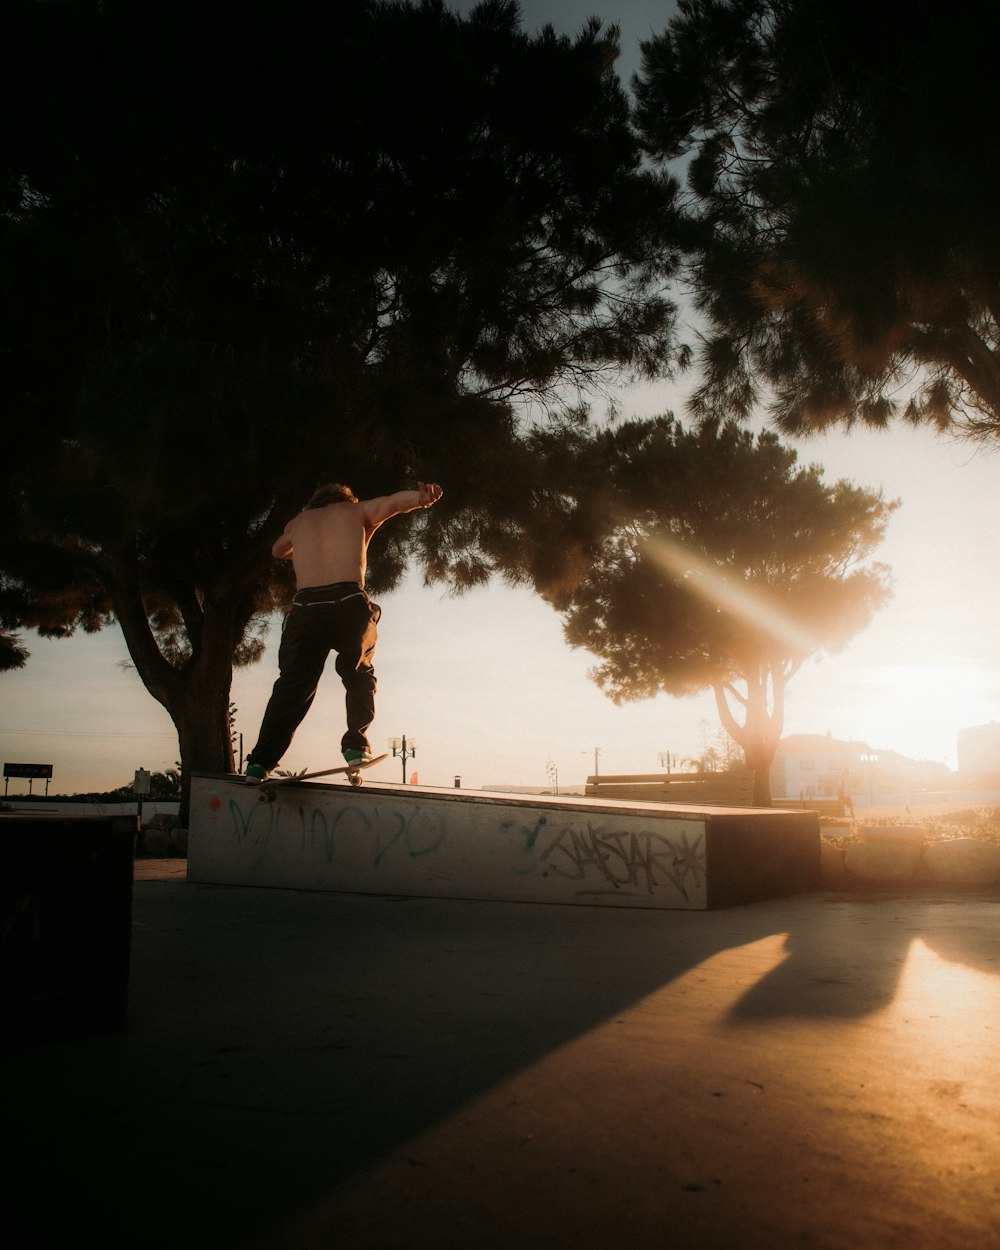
(742,599)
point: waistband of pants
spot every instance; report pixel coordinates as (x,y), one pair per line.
(320,596)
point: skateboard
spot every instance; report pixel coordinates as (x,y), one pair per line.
(266,788)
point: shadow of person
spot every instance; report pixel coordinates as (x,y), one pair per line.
(964,934)
(845,955)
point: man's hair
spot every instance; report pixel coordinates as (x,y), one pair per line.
(334,492)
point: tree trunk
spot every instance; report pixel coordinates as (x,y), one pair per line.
(201,716)
(760,733)
(197,694)
(198,704)
(761,777)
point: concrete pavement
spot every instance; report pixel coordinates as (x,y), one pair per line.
(306,1070)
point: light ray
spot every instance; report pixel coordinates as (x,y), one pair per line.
(727,592)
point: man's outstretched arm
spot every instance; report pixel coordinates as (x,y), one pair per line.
(385,506)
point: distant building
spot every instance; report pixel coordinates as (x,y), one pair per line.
(817,766)
(979,749)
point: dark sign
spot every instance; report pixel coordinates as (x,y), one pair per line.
(27,770)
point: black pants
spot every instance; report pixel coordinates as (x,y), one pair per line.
(338,618)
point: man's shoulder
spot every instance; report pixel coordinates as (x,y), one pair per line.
(377,509)
(316,516)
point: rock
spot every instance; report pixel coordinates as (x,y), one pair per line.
(881,861)
(963,861)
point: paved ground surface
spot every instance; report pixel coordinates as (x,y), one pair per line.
(305,1070)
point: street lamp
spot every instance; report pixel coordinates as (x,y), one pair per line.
(870,759)
(666,759)
(597,752)
(403,751)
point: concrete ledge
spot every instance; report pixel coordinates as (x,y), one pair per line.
(882,861)
(903,859)
(963,861)
(896,835)
(418,841)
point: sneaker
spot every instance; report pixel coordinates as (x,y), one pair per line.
(255,774)
(353,756)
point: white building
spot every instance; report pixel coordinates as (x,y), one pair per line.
(979,749)
(815,766)
(818,766)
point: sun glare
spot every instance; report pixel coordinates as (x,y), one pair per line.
(925,703)
(711,583)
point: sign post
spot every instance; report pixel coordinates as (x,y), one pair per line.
(141,787)
(30,771)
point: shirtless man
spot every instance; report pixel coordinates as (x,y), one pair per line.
(327,544)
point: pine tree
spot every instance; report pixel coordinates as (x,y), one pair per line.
(842,194)
(723,565)
(243,256)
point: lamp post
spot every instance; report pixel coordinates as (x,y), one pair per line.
(404,752)
(141,786)
(597,752)
(666,759)
(869,759)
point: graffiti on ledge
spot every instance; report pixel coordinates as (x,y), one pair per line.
(414,834)
(600,857)
(632,861)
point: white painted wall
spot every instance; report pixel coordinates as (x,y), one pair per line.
(464,844)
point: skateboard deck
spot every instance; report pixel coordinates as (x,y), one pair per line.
(266,788)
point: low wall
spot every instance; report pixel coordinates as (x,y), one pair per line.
(409,840)
(903,855)
(66,910)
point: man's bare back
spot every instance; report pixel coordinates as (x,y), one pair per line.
(330,544)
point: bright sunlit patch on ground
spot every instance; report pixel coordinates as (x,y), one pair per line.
(940,1035)
(935,985)
(660,1101)
(717,984)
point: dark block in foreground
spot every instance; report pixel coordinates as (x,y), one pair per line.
(750,857)
(66,890)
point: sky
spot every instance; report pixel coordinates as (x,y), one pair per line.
(487,689)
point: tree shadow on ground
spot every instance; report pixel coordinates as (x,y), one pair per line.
(281,1041)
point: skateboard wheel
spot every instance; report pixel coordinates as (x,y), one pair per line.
(354,779)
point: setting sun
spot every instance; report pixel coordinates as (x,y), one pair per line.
(915,706)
